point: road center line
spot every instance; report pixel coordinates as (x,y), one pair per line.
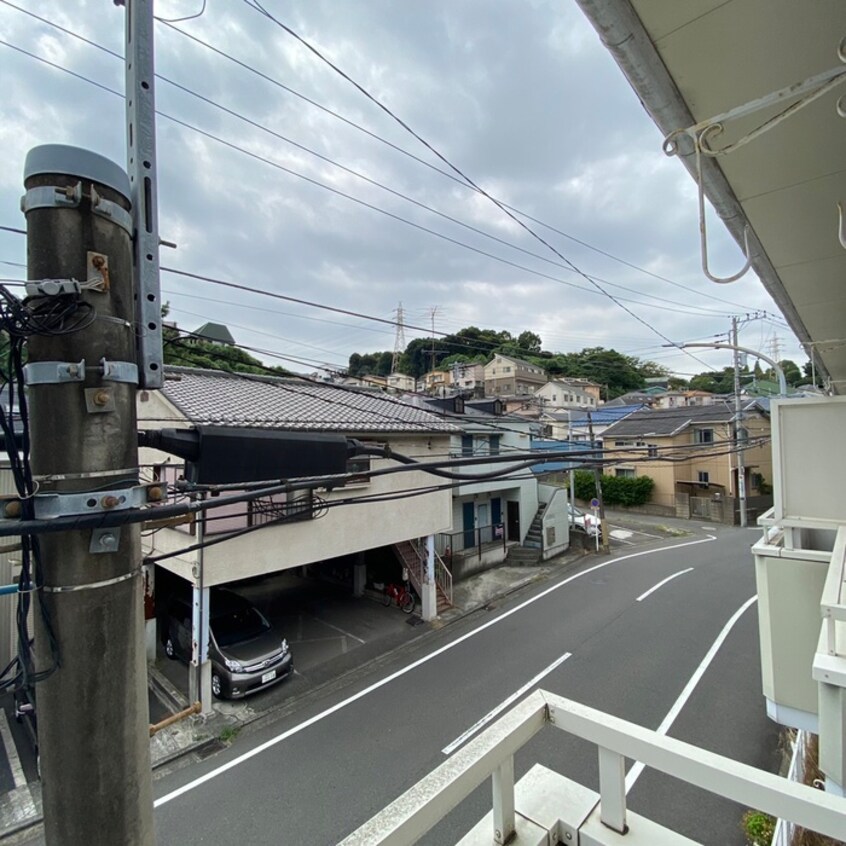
(662,583)
(257,750)
(506,703)
(637,768)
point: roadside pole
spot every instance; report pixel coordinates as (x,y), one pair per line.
(93,710)
(597,477)
(738,428)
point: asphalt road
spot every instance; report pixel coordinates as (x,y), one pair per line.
(317,774)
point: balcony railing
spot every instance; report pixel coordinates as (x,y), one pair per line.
(546,803)
(470,541)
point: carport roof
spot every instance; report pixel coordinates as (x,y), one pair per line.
(213,397)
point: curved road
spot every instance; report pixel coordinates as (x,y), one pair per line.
(623,634)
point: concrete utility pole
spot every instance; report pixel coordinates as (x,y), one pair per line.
(597,477)
(92,711)
(738,428)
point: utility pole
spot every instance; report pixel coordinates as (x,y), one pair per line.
(597,477)
(738,428)
(93,720)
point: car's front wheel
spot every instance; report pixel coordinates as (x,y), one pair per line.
(216,686)
(170,651)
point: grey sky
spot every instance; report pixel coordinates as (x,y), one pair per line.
(517,93)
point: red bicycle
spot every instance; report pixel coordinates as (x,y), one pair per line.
(400,594)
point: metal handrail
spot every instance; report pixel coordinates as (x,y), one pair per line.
(491,754)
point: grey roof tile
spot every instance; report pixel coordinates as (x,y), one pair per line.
(667,421)
(235,399)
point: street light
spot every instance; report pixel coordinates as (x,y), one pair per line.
(782,382)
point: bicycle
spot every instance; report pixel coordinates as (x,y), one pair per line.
(400,594)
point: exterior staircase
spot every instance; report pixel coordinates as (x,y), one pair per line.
(529,553)
(412,555)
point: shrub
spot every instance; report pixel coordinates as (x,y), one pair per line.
(758,827)
(616,490)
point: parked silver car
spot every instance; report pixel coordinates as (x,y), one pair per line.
(246,653)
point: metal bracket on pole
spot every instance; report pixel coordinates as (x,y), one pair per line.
(48,506)
(53,372)
(111,211)
(119,371)
(141,166)
(49,197)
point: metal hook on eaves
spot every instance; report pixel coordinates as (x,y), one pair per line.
(703,239)
(841,225)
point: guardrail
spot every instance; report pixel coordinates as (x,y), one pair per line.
(491,754)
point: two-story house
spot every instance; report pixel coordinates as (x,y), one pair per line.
(491,514)
(508,376)
(467,377)
(350,525)
(558,394)
(691,454)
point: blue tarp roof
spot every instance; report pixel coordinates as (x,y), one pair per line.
(559,465)
(606,416)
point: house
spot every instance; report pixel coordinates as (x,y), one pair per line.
(215,332)
(558,394)
(468,377)
(689,453)
(686,399)
(353,532)
(401,382)
(490,515)
(434,382)
(507,376)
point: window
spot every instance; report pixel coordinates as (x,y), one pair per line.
(467,445)
(703,436)
(621,443)
(704,479)
(360,466)
(494,444)
(625,472)
(506,369)
(652,450)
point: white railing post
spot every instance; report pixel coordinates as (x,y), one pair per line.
(612,789)
(502,780)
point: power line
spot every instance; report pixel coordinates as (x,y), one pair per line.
(363,177)
(256,5)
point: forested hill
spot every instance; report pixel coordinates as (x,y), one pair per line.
(620,373)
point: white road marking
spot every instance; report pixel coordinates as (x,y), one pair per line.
(637,768)
(506,703)
(257,750)
(662,583)
(335,628)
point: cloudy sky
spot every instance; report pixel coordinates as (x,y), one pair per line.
(283,177)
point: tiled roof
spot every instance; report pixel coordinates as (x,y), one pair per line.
(215,398)
(668,421)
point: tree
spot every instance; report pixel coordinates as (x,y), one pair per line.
(529,341)
(792,373)
(198,352)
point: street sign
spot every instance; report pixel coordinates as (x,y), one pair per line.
(594,503)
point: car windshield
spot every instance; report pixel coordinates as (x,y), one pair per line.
(237,623)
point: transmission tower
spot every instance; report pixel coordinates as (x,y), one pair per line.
(399,340)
